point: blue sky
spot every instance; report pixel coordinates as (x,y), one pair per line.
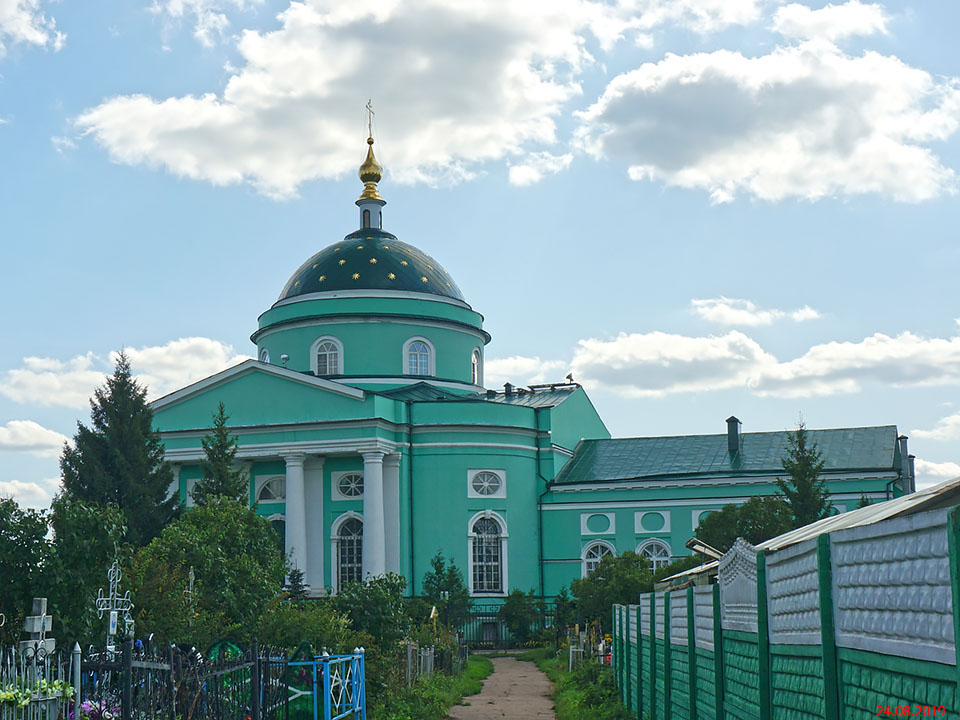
(699,207)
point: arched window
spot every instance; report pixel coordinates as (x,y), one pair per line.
(264,356)
(657,551)
(366,218)
(475,367)
(273,490)
(349,552)
(418,359)
(327,356)
(487,555)
(593,554)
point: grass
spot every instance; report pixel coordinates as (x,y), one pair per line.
(469,682)
(587,693)
(430,697)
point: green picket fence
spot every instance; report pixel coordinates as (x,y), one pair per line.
(850,625)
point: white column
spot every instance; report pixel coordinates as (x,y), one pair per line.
(174,490)
(374,549)
(296,543)
(313,499)
(391,510)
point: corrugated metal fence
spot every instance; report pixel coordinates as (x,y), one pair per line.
(852,624)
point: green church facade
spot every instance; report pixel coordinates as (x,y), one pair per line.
(372,443)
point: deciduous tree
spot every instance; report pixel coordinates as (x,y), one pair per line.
(615,579)
(23,552)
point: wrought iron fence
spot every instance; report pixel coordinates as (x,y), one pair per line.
(484,628)
(34,684)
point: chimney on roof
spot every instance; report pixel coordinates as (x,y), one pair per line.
(904,463)
(913,473)
(507,389)
(733,435)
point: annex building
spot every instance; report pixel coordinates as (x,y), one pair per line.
(372,443)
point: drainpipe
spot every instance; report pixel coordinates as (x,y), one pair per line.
(536,421)
(413,576)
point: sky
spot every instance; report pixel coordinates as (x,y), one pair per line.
(698,207)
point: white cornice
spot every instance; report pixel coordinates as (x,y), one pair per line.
(371,318)
(251,366)
(654,484)
(273,450)
(372,294)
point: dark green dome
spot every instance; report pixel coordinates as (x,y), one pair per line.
(370,259)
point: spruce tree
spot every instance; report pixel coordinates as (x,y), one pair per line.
(805,491)
(219,477)
(119,459)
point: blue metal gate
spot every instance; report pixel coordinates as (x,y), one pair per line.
(328,687)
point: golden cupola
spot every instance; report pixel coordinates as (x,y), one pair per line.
(370,201)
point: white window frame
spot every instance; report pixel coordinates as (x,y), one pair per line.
(335,546)
(341,365)
(431,359)
(591,544)
(265,356)
(472,473)
(335,477)
(638,522)
(504,565)
(260,480)
(611,528)
(475,354)
(656,541)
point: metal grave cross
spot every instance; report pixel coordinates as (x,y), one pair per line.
(114,606)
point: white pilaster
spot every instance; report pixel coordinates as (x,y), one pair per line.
(391,511)
(296,542)
(174,490)
(374,548)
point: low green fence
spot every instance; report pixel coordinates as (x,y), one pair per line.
(855,624)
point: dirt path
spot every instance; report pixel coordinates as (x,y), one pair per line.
(515,691)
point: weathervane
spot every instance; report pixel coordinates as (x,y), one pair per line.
(114,606)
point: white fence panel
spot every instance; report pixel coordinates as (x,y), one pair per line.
(703,616)
(645,614)
(793,594)
(659,614)
(738,587)
(891,587)
(678,618)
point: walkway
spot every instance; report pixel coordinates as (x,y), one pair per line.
(515,691)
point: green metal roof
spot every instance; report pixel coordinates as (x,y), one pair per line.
(865,448)
(425,392)
(370,259)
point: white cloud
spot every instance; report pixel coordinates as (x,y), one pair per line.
(536,165)
(28,436)
(22,21)
(30,494)
(62,143)
(806,120)
(658,363)
(209,17)
(521,370)
(835,367)
(831,22)
(947,428)
(454,85)
(733,311)
(163,368)
(931,473)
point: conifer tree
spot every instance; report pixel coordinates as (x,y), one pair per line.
(805,491)
(296,587)
(220,479)
(119,459)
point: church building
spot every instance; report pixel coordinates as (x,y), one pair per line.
(372,443)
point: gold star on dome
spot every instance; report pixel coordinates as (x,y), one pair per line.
(296,283)
(356,276)
(391,276)
(373,261)
(315,266)
(336,249)
(386,247)
(429,267)
(448,284)
(423,278)
(322,278)
(343,262)
(359,247)
(403,262)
